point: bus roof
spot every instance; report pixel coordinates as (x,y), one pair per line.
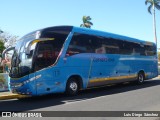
(85,31)
(109,35)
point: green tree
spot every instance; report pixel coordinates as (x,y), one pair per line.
(151,9)
(8,39)
(1,46)
(86,22)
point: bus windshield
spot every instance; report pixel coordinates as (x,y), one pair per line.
(21,62)
(33,55)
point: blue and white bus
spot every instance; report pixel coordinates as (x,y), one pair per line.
(68,59)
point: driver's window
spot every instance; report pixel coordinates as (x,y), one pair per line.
(44,56)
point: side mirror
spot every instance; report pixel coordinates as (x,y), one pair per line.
(27,52)
(18,61)
(15,62)
(9,70)
(30,53)
(6,50)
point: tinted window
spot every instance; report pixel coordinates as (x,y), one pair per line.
(83,43)
(112,46)
(47,53)
(138,49)
(150,50)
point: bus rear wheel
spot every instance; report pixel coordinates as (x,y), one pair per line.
(72,87)
(140,78)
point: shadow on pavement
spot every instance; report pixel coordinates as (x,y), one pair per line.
(58,99)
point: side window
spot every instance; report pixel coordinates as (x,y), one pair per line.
(44,56)
(75,46)
(48,51)
(127,48)
(82,43)
(112,46)
(150,50)
(131,48)
(138,49)
(98,45)
(108,46)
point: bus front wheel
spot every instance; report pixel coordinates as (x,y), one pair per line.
(140,78)
(72,87)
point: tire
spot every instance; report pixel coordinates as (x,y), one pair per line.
(72,87)
(140,78)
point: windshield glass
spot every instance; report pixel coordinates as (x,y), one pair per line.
(21,62)
(33,55)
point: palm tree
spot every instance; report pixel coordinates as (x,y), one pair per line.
(86,22)
(153,4)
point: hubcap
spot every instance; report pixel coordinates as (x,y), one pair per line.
(73,86)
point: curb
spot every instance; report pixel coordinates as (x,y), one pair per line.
(158,77)
(11,96)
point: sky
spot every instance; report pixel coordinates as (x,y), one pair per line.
(124,17)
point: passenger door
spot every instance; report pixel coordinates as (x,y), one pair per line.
(43,73)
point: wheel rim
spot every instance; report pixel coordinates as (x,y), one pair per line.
(141,78)
(73,86)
